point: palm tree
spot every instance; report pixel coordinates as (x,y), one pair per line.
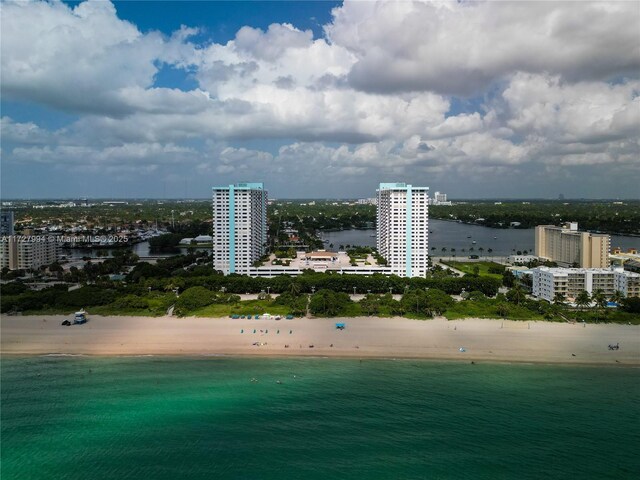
(444,249)
(559,298)
(481,250)
(599,298)
(489,250)
(583,299)
(294,288)
(502,310)
(600,301)
(517,294)
(616,297)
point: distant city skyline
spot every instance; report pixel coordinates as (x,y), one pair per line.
(320,99)
(208,198)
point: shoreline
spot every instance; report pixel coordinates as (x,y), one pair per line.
(278,356)
(495,341)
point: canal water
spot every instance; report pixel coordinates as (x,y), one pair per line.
(442,234)
(445,234)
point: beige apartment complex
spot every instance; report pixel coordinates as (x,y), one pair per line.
(571,248)
(18,253)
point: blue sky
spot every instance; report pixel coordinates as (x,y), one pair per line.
(319,99)
(221,20)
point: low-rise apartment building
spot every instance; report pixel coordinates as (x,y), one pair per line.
(628,283)
(569,282)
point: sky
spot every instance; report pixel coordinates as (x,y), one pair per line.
(150,99)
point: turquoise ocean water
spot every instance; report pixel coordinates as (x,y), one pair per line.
(204,418)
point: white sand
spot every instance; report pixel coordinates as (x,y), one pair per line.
(494,340)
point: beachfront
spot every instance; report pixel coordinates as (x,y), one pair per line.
(469,339)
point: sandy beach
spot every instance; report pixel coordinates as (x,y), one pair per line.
(481,339)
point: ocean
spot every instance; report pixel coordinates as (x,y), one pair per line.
(265,418)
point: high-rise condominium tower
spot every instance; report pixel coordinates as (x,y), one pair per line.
(18,253)
(569,247)
(403,228)
(239,226)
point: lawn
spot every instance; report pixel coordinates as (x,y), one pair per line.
(467,267)
(606,316)
(489,309)
(248,307)
(105,310)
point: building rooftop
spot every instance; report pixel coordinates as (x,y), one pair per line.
(559,271)
(321,254)
(203,238)
(242,186)
(399,186)
(322,261)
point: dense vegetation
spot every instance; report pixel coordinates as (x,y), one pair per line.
(106,218)
(597,215)
(191,287)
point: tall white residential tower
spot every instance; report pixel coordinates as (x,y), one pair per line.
(403,228)
(239,226)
